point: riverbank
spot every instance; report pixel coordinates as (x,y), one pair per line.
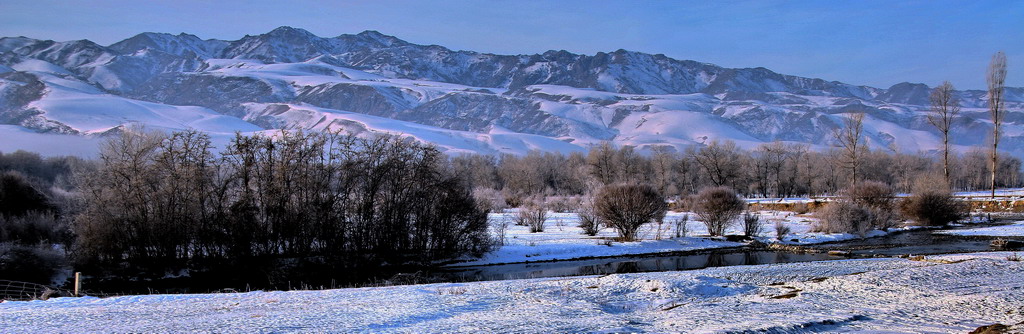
(563,240)
(950,293)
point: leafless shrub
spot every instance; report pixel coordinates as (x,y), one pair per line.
(932,204)
(590,221)
(717,207)
(680,224)
(533,216)
(662,229)
(563,203)
(877,197)
(781,230)
(843,216)
(751,224)
(626,207)
(514,200)
(489,200)
(500,229)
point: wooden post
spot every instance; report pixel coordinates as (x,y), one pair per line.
(78,282)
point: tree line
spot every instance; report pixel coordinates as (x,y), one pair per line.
(168,200)
(773,169)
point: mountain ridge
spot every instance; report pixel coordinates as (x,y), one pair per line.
(631,98)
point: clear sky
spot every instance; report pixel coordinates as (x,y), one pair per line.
(876,43)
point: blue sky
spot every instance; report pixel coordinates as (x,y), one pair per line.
(876,43)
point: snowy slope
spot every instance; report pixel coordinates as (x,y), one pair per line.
(872,295)
(488,103)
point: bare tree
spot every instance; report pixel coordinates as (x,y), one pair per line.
(849,138)
(626,207)
(945,107)
(720,161)
(996,79)
(717,207)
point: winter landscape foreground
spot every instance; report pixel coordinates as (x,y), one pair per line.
(938,293)
(948,293)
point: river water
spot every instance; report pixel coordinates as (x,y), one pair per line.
(914,242)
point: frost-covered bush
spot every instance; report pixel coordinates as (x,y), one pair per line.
(843,216)
(590,222)
(489,200)
(534,216)
(626,207)
(717,207)
(500,229)
(563,203)
(34,228)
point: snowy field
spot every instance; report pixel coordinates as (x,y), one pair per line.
(1015,229)
(562,239)
(876,295)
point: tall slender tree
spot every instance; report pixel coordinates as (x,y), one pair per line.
(945,106)
(996,79)
(849,138)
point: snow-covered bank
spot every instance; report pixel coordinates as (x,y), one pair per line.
(1012,230)
(563,240)
(892,295)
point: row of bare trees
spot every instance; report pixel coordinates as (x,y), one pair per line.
(770,170)
(169,200)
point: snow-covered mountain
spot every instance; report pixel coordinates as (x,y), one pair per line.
(463,101)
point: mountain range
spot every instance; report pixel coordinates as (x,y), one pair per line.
(65,96)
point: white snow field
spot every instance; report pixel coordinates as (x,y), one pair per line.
(1015,229)
(563,240)
(952,293)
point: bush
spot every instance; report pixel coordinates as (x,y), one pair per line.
(626,207)
(751,224)
(877,197)
(489,200)
(34,228)
(843,216)
(500,228)
(590,222)
(717,207)
(534,216)
(18,196)
(933,208)
(36,264)
(563,203)
(872,194)
(781,230)
(681,228)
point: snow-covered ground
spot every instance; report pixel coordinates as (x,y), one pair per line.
(1015,229)
(875,295)
(979,195)
(562,239)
